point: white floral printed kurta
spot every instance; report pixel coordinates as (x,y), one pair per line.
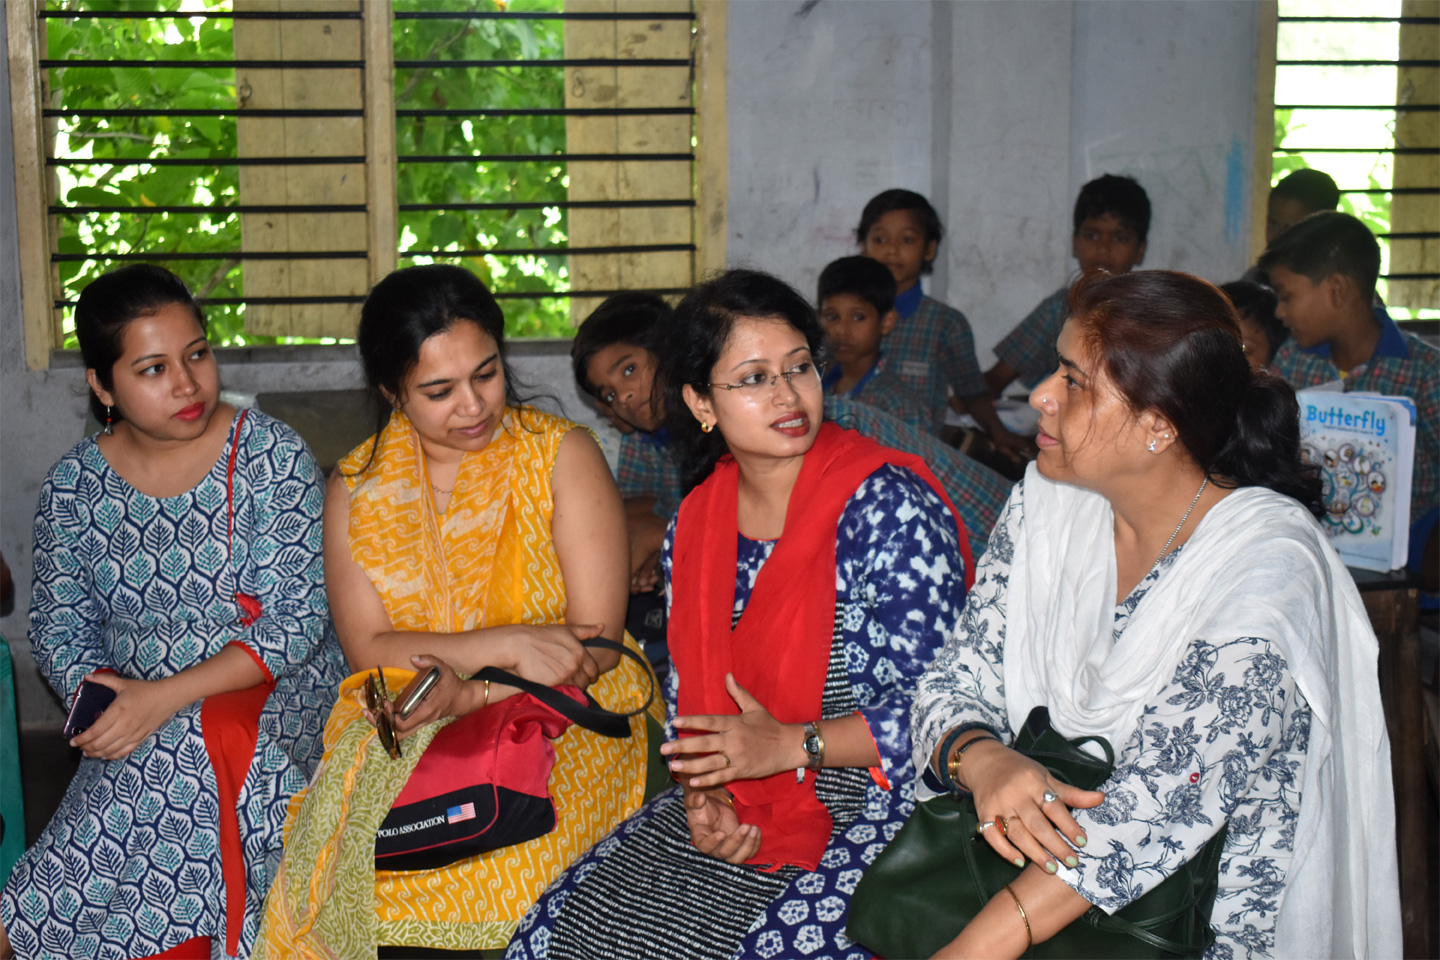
(1224,740)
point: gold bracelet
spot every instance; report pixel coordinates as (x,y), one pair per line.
(728,799)
(954,764)
(486,702)
(1029,937)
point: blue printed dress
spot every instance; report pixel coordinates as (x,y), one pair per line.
(130,864)
(645,891)
(1225,740)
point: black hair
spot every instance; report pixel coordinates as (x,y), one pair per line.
(870,280)
(693,345)
(889,200)
(637,319)
(1170,342)
(1120,197)
(106,307)
(1257,301)
(1324,244)
(1314,189)
(409,307)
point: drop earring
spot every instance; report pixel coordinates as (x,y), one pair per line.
(109,421)
(1151,448)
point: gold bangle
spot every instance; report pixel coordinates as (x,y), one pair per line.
(954,763)
(1029,937)
(486,702)
(728,799)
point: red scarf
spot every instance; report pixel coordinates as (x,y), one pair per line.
(780,649)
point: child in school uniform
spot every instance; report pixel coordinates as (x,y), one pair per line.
(1323,270)
(856,297)
(1261,332)
(1112,220)
(931,347)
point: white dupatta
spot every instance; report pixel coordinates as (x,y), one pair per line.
(1256,566)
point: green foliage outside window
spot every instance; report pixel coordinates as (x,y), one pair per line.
(218,230)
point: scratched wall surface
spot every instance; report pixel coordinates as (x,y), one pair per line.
(1000,111)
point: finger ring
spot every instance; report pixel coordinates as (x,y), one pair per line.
(1004,825)
(726,756)
(980,828)
(1050,796)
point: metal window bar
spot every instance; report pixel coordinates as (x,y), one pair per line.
(233,209)
(248,112)
(321,161)
(161,255)
(61,303)
(1415,20)
(354,15)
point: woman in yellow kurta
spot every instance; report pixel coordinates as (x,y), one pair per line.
(469,532)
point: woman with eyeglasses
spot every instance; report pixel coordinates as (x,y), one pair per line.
(812,575)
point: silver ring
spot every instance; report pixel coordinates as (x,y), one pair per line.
(981,828)
(1050,796)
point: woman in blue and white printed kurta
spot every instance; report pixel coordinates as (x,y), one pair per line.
(647,891)
(130,864)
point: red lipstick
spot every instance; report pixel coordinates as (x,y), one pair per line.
(796,424)
(191,412)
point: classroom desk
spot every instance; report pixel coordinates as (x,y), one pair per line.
(1392,601)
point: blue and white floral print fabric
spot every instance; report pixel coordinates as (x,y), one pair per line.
(1237,682)
(130,865)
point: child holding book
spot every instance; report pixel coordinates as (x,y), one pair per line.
(1323,270)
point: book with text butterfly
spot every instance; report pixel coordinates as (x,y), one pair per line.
(1364,444)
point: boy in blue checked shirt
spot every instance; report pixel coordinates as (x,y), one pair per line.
(931,347)
(1112,219)
(1323,270)
(857,309)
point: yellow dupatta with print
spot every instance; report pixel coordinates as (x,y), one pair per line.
(489,560)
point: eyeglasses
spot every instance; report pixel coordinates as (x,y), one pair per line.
(376,696)
(759,386)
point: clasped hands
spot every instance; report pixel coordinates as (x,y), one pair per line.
(748,746)
(1024,812)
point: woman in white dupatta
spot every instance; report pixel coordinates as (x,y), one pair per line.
(1158,579)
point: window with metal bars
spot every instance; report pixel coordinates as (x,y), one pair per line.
(283,156)
(1357,95)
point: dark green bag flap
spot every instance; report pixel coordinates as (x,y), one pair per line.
(937,874)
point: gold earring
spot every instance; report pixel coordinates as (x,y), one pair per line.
(705,426)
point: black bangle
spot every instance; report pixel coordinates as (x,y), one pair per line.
(943,768)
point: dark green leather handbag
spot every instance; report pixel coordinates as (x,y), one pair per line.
(936,875)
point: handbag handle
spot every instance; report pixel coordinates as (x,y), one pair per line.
(590,715)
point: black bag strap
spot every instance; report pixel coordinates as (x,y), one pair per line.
(589,714)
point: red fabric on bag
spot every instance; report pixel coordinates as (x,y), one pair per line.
(196,948)
(230,723)
(507,744)
(780,649)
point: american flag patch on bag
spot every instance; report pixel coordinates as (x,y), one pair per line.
(466,811)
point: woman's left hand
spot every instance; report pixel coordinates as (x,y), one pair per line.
(139,709)
(745,747)
(1018,819)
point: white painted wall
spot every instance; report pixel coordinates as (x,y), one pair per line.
(998,111)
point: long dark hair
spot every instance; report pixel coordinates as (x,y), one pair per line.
(409,307)
(697,338)
(107,306)
(1170,343)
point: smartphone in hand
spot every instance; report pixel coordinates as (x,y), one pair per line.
(90,701)
(415,691)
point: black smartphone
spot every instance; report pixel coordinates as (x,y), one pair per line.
(90,701)
(415,691)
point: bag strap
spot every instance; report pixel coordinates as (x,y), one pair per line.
(590,715)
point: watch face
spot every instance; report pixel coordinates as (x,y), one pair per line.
(812,745)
